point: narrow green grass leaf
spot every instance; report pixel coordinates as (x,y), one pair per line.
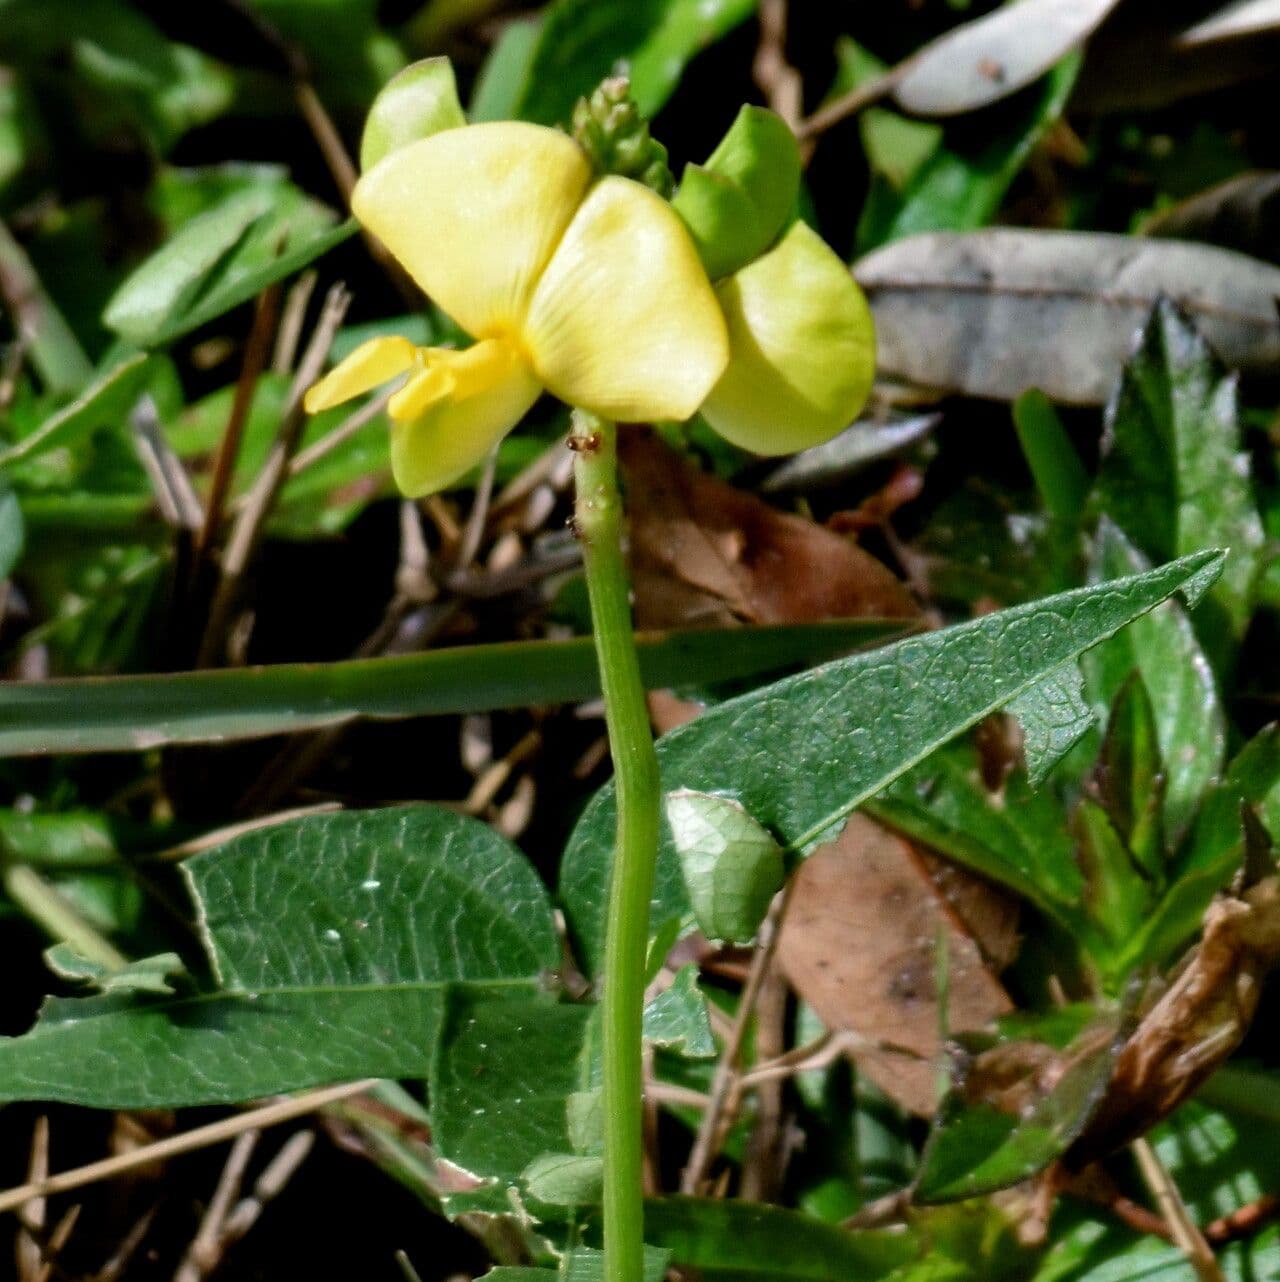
(801,755)
(114,714)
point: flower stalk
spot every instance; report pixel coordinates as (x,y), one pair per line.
(598,518)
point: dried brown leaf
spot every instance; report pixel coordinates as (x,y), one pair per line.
(704,554)
(859,944)
(1195,1025)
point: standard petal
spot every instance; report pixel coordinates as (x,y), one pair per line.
(493,389)
(474,215)
(624,321)
(802,348)
(372,363)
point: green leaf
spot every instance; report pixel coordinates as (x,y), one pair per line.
(564,1179)
(1053,716)
(104,403)
(802,754)
(585,1264)
(334,940)
(1059,475)
(500,1081)
(959,183)
(1214,849)
(580,1264)
(732,867)
(415,103)
(219,259)
(73,839)
(677,1019)
(974,1150)
(147,975)
(1117,896)
(1130,777)
(738,202)
(1173,475)
(1163,649)
(349,53)
(128,75)
(1017,837)
(580,41)
(52,347)
(727,1241)
(12,531)
(135,713)
(505,73)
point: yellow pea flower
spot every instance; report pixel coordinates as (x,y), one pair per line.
(801,348)
(592,290)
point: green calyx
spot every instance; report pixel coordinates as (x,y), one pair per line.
(608,126)
(739,201)
(415,103)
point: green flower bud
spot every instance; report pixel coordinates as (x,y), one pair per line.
(608,126)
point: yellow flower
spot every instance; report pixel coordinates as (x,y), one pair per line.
(801,348)
(591,290)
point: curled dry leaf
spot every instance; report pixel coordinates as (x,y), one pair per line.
(994,56)
(993,313)
(1196,1024)
(704,554)
(859,944)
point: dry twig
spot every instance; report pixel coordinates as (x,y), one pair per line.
(781,84)
(272,1114)
(1173,1209)
(205,1251)
(249,523)
(265,312)
(720,1110)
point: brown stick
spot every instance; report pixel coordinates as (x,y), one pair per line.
(718,1116)
(849,104)
(781,84)
(248,526)
(764,1162)
(272,1114)
(265,312)
(1173,1209)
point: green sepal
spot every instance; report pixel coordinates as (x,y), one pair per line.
(739,201)
(415,103)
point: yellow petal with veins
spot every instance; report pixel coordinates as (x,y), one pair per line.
(802,348)
(624,321)
(474,215)
(493,389)
(372,363)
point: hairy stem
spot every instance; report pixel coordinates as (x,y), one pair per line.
(598,516)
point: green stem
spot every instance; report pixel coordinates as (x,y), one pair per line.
(47,907)
(598,516)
